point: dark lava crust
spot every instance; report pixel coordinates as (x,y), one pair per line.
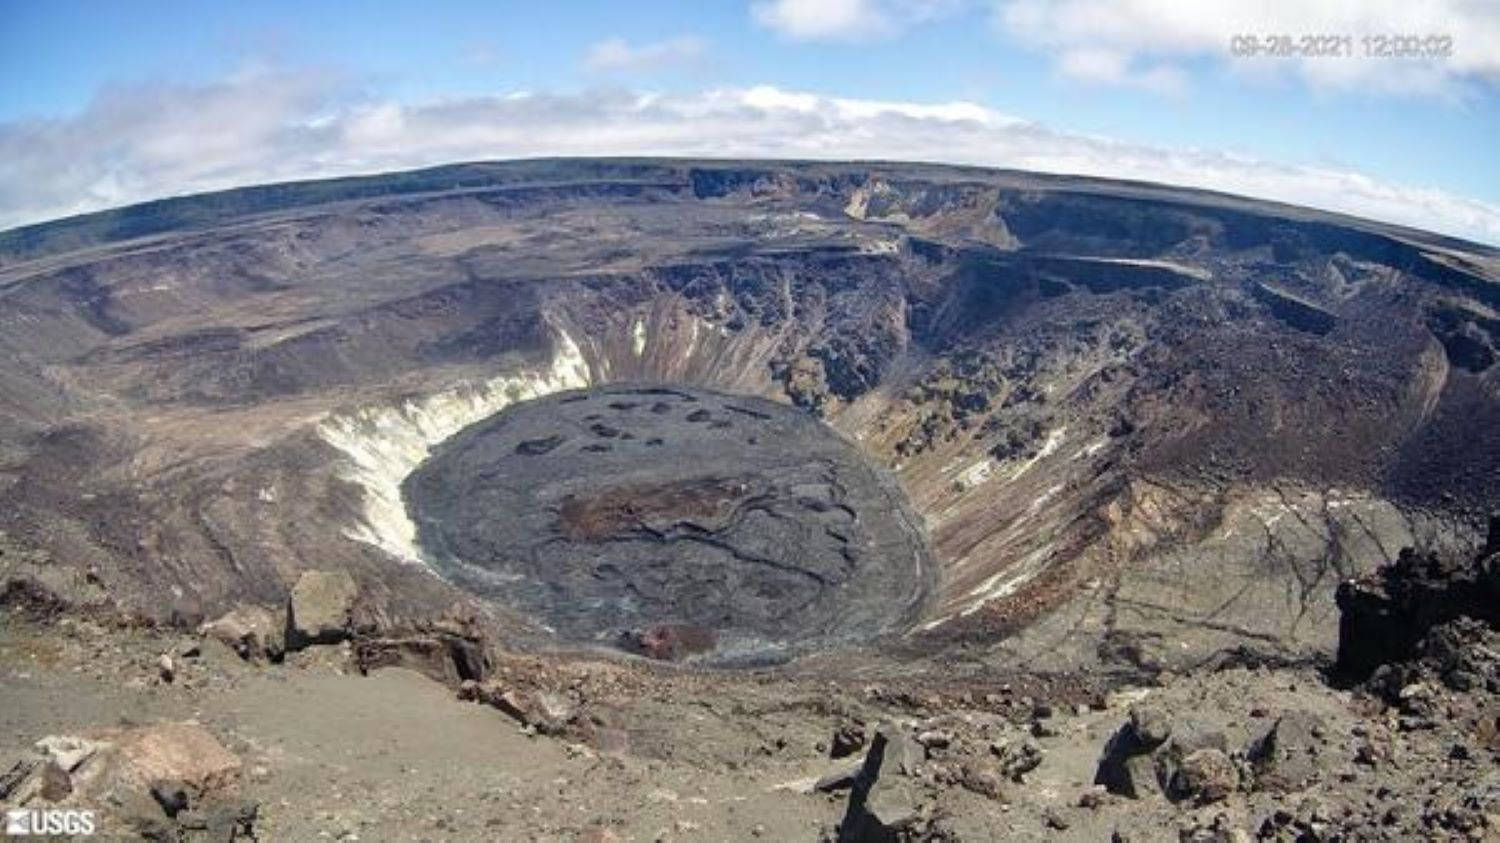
(615,513)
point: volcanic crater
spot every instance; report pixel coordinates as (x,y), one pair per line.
(638,514)
(1086,425)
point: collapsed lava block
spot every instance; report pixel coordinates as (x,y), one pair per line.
(1462,656)
(449,659)
(1385,615)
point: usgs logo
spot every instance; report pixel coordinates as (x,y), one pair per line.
(27,821)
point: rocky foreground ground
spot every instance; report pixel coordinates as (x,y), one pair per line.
(302,724)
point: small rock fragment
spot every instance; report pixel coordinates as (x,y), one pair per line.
(848,739)
(68,751)
(935,739)
(836,780)
(1017,758)
(983,781)
(1205,775)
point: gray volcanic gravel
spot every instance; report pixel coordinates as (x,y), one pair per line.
(611,511)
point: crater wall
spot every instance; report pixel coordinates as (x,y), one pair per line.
(1140,425)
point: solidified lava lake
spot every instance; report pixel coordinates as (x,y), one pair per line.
(610,512)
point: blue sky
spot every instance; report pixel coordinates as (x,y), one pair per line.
(101,96)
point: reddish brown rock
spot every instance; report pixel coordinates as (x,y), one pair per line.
(671,642)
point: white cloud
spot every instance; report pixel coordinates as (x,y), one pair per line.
(618,55)
(1109,66)
(141,143)
(846,19)
(1149,36)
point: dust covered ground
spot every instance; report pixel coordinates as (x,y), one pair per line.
(635,751)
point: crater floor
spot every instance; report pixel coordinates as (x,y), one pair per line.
(674,520)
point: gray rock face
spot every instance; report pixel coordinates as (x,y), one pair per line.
(674,511)
(320,609)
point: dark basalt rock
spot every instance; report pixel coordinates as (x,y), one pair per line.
(1294,311)
(1468,336)
(678,539)
(537,447)
(1383,617)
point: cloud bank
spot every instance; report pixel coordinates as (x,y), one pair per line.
(1136,40)
(1159,45)
(138,143)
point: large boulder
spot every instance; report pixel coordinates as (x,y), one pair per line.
(1286,757)
(321,609)
(144,778)
(1146,756)
(1126,767)
(902,753)
(182,752)
(879,809)
(251,631)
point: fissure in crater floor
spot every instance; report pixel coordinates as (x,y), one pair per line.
(674,520)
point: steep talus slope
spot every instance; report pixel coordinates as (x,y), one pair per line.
(1144,426)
